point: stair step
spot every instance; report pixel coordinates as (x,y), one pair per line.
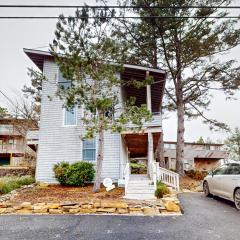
(140,196)
(140,187)
(140,191)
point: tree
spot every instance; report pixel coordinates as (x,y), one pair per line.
(3,112)
(87,57)
(200,140)
(233,145)
(34,92)
(188,45)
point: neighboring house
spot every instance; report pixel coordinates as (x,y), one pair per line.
(62,131)
(197,156)
(14,149)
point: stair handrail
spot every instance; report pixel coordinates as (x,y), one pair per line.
(168,177)
(153,173)
(127,172)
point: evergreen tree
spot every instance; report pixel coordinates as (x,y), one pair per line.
(233,145)
(187,43)
(88,57)
(34,92)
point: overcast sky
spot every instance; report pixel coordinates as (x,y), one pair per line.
(37,34)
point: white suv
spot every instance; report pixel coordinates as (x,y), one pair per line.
(224,182)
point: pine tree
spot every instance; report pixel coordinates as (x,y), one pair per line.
(189,48)
(88,57)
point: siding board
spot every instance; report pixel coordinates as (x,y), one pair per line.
(60,143)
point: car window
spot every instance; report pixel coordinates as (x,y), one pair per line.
(230,170)
(221,170)
(236,170)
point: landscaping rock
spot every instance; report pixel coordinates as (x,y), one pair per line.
(26,205)
(3,210)
(149,211)
(53,206)
(24,211)
(122,210)
(113,204)
(97,204)
(172,206)
(70,207)
(87,206)
(108,210)
(74,210)
(85,210)
(55,211)
(68,203)
(135,209)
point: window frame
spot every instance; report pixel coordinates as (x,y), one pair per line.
(64,117)
(59,83)
(84,149)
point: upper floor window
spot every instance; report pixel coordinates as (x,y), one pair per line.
(70,117)
(89,150)
(63,82)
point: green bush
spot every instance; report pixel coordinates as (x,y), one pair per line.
(7,184)
(76,174)
(138,168)
(161,190)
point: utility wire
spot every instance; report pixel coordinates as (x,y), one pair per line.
(128,17)
(119,7)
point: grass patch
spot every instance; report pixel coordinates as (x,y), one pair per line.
(7,184)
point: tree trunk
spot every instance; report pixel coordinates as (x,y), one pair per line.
(180,139)
(160,152)
(97,182)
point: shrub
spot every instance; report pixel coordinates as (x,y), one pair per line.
(76,174)
(138,168)
(161,190)
(7,184)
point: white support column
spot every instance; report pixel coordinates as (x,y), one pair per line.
(149,101)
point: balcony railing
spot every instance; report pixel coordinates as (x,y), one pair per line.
(155,122)
(11,148)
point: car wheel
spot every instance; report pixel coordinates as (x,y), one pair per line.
(237,198)
(206,189)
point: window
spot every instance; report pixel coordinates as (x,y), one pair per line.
(221,170)
(89,150)
(70,117)
(11,143)
(233,169)
(63,82)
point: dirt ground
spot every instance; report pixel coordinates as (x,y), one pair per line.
(189,183)
(54,193)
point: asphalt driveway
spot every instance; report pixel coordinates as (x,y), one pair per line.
(204,218)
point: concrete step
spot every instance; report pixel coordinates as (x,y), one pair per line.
(140,187)
(140,191)
(143,196)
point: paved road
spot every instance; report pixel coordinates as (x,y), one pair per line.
(204,218)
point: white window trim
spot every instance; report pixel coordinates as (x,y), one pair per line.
(63,118)
(94,161)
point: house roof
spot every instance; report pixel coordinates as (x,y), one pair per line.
(38,56)
(130,72)
(195,143)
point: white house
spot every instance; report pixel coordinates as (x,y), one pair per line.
(61,131)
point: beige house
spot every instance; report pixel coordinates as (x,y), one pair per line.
(197,156)
(15,153)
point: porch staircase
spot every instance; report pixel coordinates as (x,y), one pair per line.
(140,187)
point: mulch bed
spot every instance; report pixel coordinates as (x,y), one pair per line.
(54,193)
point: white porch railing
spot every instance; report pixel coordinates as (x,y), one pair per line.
(168,177)
(127,172)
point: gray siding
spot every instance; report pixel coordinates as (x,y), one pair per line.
(63,143)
